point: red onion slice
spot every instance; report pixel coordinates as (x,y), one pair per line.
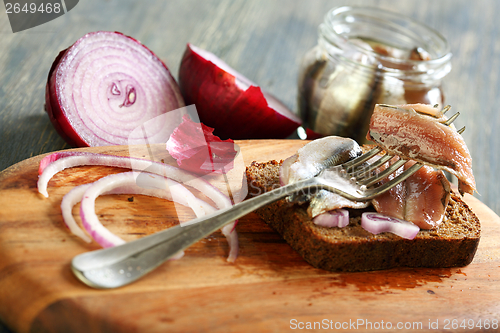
(68,159)
(56,162)
(229,231)
(104,86)
(377,223)
(126,183)
(335,218)
(182,196)
(68,202)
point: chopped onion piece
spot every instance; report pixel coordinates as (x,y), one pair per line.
(104,86)
(334,218)
(377,223)
(285,169)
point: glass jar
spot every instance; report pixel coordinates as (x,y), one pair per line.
(367,56)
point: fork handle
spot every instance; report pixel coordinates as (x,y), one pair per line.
(120,265)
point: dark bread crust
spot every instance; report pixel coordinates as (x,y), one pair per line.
(352,248)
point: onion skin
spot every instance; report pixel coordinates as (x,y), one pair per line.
(223,104)
(196,149)
(90,130)
(60,123)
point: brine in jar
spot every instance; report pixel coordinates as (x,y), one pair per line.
(367,56)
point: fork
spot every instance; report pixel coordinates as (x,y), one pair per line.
(120,265)
(356,180)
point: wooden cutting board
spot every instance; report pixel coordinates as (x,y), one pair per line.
(269,288)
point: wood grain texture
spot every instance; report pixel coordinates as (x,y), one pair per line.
(267,287)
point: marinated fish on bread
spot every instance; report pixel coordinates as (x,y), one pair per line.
(421,199)
(414,131)
(352,248)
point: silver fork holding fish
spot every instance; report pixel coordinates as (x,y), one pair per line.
(117,266)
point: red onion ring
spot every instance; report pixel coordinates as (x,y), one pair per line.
(377,223)
(126,182)
(104,86)
(56,162)
(182,196)
(68,202)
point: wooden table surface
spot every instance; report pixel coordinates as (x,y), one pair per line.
(263,39)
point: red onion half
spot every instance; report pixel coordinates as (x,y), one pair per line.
(106,85)
(227,101)
(68,159)
(377,223)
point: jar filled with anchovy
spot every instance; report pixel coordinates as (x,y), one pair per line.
(367,56)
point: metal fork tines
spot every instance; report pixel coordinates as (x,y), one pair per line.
(358,180)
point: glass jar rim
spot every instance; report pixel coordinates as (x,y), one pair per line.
(342,23)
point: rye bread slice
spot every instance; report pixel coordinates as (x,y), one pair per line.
(352,248)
